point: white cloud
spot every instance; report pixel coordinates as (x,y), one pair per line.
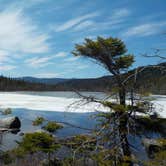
(71,23)
(120,13)
(61,54)
(7,67)
(37,62)
(84,25)
(71,59)
(19,34)
(3,56)
(144,29)
(6,57)
(117,17)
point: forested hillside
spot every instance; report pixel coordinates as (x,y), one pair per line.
(151,79)
(11,84)
(50,81)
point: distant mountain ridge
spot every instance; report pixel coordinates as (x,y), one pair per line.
(151,79)
(50,81)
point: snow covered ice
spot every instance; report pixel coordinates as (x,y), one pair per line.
(62,104)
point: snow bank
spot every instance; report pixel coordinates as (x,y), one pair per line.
(61,104)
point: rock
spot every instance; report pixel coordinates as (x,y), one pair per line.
(90,162)
(21,134)
(7,111)
(10,123)
(154,145)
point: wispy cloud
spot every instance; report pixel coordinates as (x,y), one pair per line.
(3,56)
(116,20)
(84,25)
(146,29)
(120,13)
(6,57)
(60,54)
(37,62)
(73,22)
(71,59)
(7,67)
(117,17)
(19,34)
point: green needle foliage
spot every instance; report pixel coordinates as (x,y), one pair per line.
(38,141)
(7,111)
(6,158)
(38,121)
(110,52)
(34,143)
(81,142)
(52,127)
(109,145)
(116,107)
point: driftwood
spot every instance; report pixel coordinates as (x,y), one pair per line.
(9,123)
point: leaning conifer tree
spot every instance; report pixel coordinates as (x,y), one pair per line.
(111,53)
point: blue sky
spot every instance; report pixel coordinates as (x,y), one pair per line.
(37,36)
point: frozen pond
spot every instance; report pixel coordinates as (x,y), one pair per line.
(56,106)
(62,102)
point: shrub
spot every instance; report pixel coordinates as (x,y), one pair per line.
(38,141)
(52,126)
(7,159)
(38,121)
(7,111)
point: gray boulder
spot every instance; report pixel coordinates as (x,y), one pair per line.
(10,123)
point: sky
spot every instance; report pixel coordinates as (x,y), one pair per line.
(38,36)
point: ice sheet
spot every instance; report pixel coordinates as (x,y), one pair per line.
(62,104)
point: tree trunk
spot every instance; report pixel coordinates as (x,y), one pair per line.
(123,120)
(123,137)
(125,145)
(122,95)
